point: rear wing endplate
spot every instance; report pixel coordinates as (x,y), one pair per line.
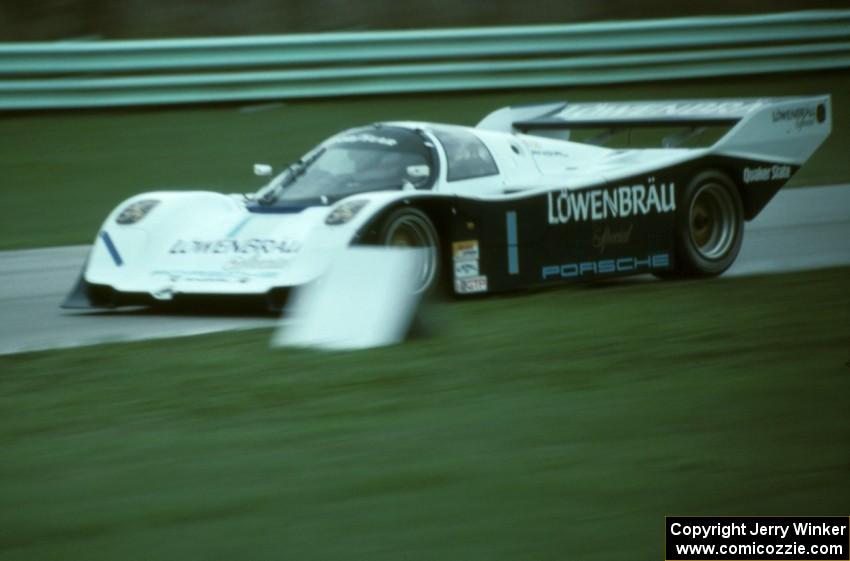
(777,129)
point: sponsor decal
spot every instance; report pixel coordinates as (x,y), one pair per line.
(605,266)
(620,202)
(365,138)
(466,268)
(549,153)
(766,173)
(253,246)
(603,237)
(471,285)
(465,255)
(801,116)
(254,262)
(659,109)
(465,250)
(230,277)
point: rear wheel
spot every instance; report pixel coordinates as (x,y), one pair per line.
(410,227)
(709,226)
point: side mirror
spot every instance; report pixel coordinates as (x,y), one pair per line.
(418,172)
(262,170)
(415,176)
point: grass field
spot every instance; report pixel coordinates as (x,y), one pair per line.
(559,425)
(63,172)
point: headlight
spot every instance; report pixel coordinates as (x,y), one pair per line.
(344,212)
(134,212)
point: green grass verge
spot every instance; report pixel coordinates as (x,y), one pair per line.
(63,172)
(559,425)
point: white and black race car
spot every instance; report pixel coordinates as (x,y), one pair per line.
(508,204)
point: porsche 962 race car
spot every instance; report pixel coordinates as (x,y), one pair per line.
(508,204)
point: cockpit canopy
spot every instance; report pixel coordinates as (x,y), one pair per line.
(466,156)
(377,158)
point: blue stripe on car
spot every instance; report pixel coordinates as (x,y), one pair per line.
(513,250)
(236,229)
(110,246)
(289,209)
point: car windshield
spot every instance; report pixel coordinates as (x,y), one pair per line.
(356,161)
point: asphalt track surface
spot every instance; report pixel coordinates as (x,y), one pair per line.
(800,229)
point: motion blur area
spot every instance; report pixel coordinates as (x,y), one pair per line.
(367,298)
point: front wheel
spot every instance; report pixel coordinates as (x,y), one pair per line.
(410,227)
(709,226)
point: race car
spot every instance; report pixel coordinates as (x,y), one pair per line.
(526,198)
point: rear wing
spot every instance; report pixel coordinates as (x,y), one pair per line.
(786,129)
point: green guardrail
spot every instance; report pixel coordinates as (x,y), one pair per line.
(118,73)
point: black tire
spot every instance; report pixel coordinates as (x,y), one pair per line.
(410,227)
(709,226)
